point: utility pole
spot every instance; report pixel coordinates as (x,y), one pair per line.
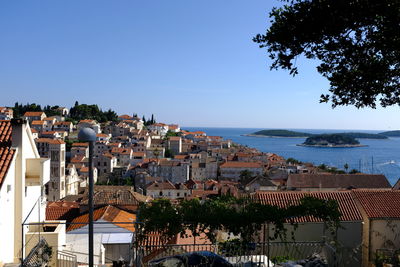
(89,135)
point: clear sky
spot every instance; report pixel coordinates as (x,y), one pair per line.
(190,62)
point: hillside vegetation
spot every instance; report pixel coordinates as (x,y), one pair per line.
(287,133)
(282,133)
(391,133)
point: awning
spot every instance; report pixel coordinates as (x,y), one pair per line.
(117,238)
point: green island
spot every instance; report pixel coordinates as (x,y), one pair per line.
(293,134)
(279,133)
(331,140)
(391,133)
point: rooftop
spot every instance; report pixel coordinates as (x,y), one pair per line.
(341,181)
(345,199)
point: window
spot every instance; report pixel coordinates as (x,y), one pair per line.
(54,156)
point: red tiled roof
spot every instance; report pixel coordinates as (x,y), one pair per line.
(160,185)
(126,117)
(87,121)
(240,164)
(6,152)
(181,156)
(5,132)
(138,154)
(37,122)
(108,213)
(345,199)
(68,123)
(6,155)
(33,113)
(80,144)
(379,203)
(62,210)
(78,159)
(49,141)
(317,180)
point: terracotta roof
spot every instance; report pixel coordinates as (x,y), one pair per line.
(102,135)
(88,121)
(115,195)
(174,138)
(318,180)
(5,132)
(240,164)
(68,123)
(78,159)
(33,113)
(49,118)
(62,210)
(33,130)
(121,150)
(181,156)
(6,152)
(125,117)
(138,154)
(345,199)
(80,144)
(379,203)
(108,213)
(167,185)
(84,169)
(6,156)
(49,141)
(37,122)
(49,133)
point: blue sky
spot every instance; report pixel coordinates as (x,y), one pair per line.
(187,61)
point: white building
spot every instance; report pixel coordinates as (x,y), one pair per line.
(112,241)
(55,150)
(23,175)
(6,113)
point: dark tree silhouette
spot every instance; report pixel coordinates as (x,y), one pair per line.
(357,43)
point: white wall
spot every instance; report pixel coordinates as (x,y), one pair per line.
(6,218)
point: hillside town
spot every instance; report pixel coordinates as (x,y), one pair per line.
(44,171)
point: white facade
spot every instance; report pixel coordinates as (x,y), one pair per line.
(21,189)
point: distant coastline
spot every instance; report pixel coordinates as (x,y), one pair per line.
(333,146)
(294,134)
(272,136)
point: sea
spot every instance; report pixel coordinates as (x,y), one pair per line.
(379,156)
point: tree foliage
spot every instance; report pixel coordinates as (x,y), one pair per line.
(84,111)
(19,109)
(357,43)
(239,216)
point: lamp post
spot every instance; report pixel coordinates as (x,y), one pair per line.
(88,135)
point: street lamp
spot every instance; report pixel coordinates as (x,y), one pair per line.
(89,135)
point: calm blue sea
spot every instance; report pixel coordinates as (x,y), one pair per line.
(380,156)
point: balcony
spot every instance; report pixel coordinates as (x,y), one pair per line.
(37,171)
